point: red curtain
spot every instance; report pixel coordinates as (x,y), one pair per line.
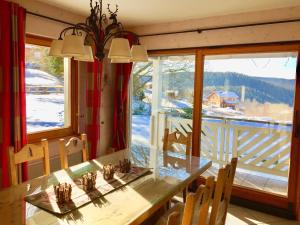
(12,85)
(120,128)
(93,103)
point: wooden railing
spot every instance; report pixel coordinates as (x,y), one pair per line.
(260,146)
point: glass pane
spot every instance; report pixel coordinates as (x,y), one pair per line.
(247,113)
(141,108)
(45,91)
(162,97)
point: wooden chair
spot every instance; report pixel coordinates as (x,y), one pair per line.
(194,211)
(28,153)
(177,138)
(222,193)
(74,144)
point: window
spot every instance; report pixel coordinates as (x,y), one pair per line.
(162,96)
(48,91)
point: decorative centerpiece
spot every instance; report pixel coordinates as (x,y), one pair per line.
(62,192)
(88,181)
(125,166)
(108,172)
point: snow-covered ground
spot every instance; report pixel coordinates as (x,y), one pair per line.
(140,130)
(44,111)
(35,77)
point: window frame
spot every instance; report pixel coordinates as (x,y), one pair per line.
(73,103)
(281,205)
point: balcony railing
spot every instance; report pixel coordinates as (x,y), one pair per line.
(260,146)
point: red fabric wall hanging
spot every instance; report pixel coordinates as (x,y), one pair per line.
(120,128)
(12,85)
(93,103)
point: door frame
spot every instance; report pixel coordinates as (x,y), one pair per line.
(291,203)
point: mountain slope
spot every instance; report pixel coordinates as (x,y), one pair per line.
(267,90)
(262,90)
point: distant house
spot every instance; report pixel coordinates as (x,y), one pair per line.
(223,99)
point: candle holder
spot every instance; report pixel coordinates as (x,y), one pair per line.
(88,181)
(108,172)
(62,192)
(125,166)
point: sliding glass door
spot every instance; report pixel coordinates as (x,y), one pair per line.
(238,101)
(249,102)
(247,112)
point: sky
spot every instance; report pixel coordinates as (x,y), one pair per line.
(279,67)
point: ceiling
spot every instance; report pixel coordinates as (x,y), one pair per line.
(144,12)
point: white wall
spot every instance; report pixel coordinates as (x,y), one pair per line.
(257,34)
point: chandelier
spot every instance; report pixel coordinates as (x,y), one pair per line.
(86,41)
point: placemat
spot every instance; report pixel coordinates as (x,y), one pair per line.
(47,200)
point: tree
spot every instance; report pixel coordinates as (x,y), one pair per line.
(141,75)
(56,66)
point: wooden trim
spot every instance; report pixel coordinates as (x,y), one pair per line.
(197,110)
(73,128)
(261,197)
(38,40)
(294,176)
(74,96)
(49,134)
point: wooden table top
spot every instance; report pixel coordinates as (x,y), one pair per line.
(131,204)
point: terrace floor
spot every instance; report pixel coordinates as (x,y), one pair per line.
(258,182)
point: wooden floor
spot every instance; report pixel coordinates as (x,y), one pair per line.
(242,216)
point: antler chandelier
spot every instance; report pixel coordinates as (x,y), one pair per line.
(78,41)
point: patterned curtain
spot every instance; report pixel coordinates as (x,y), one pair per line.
(12,85)
(120,126)
(93,103)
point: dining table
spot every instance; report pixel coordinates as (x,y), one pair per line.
(170,173)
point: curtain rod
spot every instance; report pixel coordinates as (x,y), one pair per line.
(49,18)
(199,30)
(182,31)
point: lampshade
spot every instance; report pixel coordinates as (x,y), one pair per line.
(88,56)
(73,46)
(119,49)
(120,60)
(139,53)
(56,47)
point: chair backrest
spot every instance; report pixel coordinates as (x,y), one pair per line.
(74,144)
(177,138)
(196,206)
(222,193)
(28,153)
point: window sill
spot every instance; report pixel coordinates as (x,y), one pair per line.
(50,134)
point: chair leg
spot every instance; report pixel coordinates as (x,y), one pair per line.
(184,194)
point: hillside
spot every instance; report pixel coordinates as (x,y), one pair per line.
(262,90)
(279,82)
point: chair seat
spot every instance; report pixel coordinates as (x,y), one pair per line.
(179,207)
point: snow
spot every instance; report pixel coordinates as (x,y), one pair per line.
(140,130)
(227,94)
(35,77)
(44,111)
